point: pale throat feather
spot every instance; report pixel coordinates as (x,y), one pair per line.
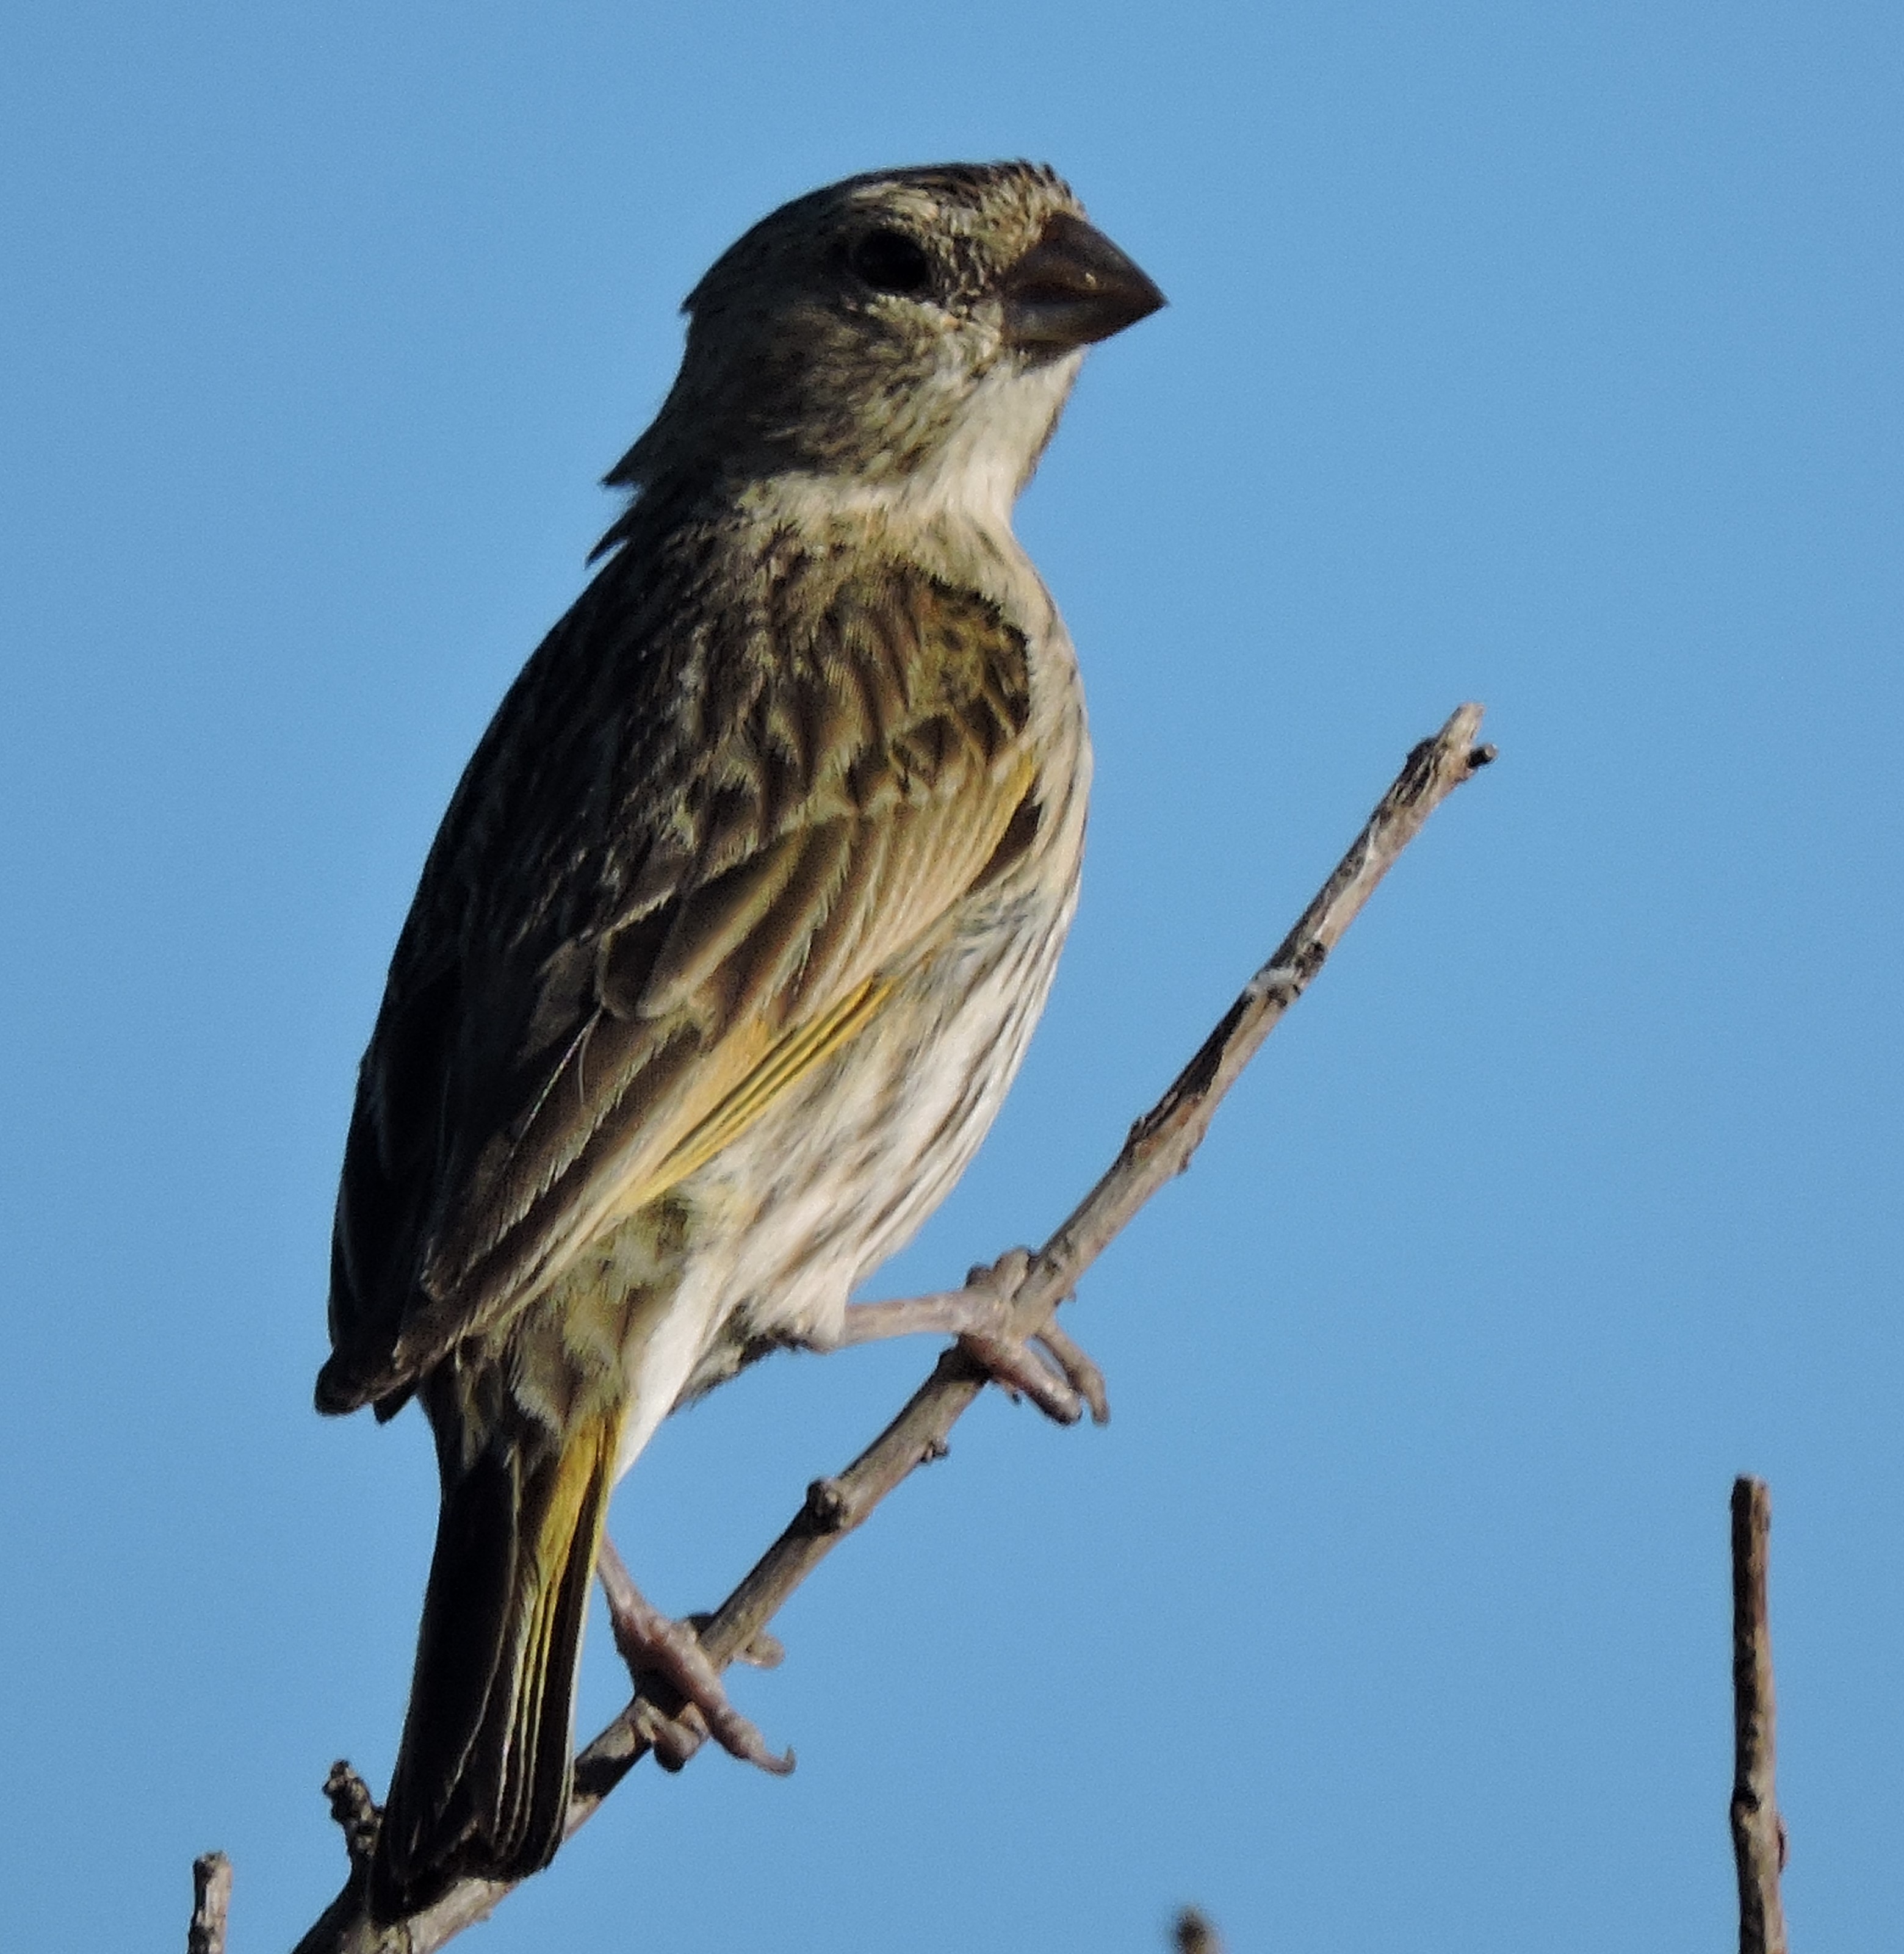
(966,484)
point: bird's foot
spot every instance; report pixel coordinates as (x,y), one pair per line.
(1059,1378)
(656,1646)
(1056,1375)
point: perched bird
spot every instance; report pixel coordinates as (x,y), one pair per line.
(732,937)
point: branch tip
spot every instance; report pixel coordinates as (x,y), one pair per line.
(1758,1840)
(354,1811)
(211,1904)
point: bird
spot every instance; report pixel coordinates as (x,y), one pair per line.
(732,936)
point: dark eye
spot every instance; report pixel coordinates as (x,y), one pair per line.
(889,261)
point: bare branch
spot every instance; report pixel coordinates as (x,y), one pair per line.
(211,1904)
(1158,1148)
(1757,1831)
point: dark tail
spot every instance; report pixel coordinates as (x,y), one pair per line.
(482,1780)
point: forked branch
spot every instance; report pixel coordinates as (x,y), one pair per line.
(1159,1146)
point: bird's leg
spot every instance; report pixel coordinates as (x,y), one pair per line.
(655,1644)
(1062,1381)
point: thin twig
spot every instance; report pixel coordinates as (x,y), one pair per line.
(211,1904)
(1757,1831)
(1158,1148)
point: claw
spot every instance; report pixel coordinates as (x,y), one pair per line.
(1018,1369)
(1081,1373)
(1048,1368)
(1004,1278)
(1056,1375)
(655,1644)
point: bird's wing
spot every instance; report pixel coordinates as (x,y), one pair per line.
(871,773)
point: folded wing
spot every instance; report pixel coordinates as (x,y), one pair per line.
(636,932)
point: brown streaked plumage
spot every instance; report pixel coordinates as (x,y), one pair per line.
(733,935)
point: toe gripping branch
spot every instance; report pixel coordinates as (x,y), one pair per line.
(660,1650)
(1048,1368)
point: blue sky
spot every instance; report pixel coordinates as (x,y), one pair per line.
(1544,355)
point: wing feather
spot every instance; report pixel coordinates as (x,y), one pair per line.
(724,904)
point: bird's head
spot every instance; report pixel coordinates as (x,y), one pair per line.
(912,333)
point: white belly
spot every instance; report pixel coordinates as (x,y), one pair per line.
(788,1220)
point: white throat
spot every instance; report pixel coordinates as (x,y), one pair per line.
(1000,436)
(975,478)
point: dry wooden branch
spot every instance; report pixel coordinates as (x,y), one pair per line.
(1159,1146)
(1757,1831)
(211,1904)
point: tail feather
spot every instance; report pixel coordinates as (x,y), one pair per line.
(482,1780)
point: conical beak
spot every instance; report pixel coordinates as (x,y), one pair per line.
(1073,288)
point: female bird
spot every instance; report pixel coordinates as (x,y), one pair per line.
(732,936)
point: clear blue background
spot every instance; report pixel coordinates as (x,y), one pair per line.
(1546,355)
